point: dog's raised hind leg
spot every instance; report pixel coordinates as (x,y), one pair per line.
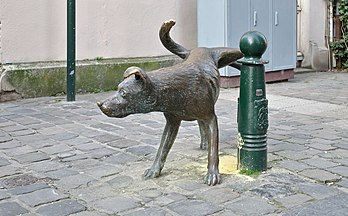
(169,134)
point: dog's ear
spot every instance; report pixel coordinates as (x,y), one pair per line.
(224,56)
(139,74)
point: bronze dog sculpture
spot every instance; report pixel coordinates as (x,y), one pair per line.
(186,91)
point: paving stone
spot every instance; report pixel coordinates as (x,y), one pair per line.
(8,171)
(317,191)
(218,195)
(28,188)
(89,213)
(121,181)
(4,139)
(319,162)
(142,150)
(102,153)
(121,158)
(293,165)
(94,193)
(116,205)
(250,206)
(61,208)
(10,144)
(103,171)
(320,175)
(190,185)
(4,162)
(293,200)
(31,157)
(64,136)
(22,133)
(273,190)
(61,173)
(88,146)
(167,199)
(4,195)
(11,209)
(343,183)
(81,165)
(147,212)
(335,205)
(340,170)
(43,196)
(74,181)
(194,208)
(46,166)
(105,138)
(78,156)
(123,143)
(295,155)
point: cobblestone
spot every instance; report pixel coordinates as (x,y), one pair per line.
(60,158)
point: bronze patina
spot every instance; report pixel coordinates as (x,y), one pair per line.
(184,92)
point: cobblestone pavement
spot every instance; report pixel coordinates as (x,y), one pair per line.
(60,158)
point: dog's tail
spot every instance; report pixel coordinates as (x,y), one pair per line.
(168,43)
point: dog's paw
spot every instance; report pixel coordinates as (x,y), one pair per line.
(151,173)
(212,179)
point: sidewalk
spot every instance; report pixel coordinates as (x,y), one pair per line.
(60,158)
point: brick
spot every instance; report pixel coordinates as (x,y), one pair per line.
(61,208)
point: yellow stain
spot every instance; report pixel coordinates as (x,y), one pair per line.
(227,165)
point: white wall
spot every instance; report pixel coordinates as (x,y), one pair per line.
(35,30)
(312,31)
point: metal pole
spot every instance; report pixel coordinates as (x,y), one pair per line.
(252,104)
(70,85)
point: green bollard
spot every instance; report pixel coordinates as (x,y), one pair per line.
(71,69)
(252,104)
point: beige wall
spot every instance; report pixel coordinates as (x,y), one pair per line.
(35,30)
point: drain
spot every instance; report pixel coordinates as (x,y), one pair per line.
(17,181)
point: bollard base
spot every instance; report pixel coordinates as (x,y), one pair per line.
(252,152)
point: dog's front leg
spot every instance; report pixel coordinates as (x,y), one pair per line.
(169,134)
(213,176)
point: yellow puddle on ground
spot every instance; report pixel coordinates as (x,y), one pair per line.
(227,165)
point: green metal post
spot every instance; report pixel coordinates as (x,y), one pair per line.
(70,85)
(252,104)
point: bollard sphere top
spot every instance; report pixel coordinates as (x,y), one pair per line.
(253,44)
